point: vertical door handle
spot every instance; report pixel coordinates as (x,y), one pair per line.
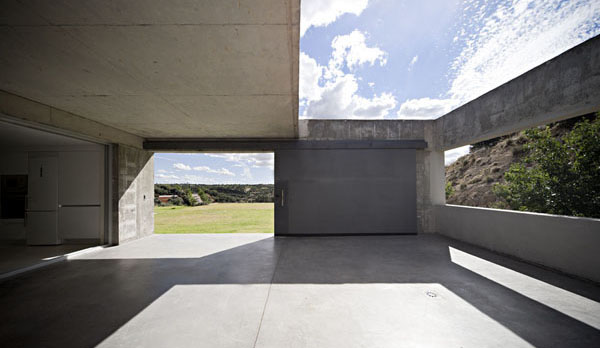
(282,197)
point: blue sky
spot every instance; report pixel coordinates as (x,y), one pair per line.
(374,59)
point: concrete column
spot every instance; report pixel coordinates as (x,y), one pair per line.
(430,187)
(133,194)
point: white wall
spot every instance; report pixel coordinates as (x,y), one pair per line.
(81,182)
(567,244)
(81,194)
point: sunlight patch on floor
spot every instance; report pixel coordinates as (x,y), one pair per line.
(312,315)
(575,306)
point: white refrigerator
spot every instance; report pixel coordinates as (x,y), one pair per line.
(41,220)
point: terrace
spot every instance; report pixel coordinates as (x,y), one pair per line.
(100,90)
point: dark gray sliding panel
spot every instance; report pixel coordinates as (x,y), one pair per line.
(345,191)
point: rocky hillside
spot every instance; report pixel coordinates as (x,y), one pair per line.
(473,176)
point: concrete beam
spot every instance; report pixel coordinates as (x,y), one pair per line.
(563,87)
(259,146)
(33,112)
(362,129)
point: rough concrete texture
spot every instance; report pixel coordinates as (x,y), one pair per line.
(135,214)
(173,69)
(430,161)
(565,243)
(564,87)
(258,291)
(29,111)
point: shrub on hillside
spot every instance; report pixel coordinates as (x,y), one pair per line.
(558,175)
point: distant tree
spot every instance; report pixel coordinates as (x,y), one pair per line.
(203,196)
(176,201)
(188,198)
(558,175)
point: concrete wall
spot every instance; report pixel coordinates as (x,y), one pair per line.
(567,244)
(133,189)
(429,161)
(564,87)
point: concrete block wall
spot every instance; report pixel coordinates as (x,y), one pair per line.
(133,190)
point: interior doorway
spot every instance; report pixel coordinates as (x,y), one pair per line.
(52,196)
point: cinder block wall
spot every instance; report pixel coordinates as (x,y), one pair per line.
(133,190)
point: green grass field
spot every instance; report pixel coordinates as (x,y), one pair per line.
(215,218)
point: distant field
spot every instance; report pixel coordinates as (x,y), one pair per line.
(215,218)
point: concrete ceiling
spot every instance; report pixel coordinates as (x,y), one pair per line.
(14,136)
(158,68)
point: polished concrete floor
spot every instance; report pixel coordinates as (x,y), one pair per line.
(18,256)
(252,290)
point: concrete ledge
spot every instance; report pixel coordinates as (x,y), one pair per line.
(258,145)
(567,244)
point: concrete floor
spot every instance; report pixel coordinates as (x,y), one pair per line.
(251,290)
(16,256)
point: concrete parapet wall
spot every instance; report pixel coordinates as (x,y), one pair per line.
(134,171)
(564,87)
(567,244)
(370,130)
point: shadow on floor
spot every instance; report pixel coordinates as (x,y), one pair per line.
(79,303)
(17,256)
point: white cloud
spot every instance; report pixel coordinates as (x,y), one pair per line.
(330,92)
(165,176)
(413,61)
(161,171)
(425,108)
(451,156)
(516,37)
(266,160)
(320,13)
(246,173)
(339,100)
(197,179)
(352,51)
(181,166)
(222,171)
(310,75)
(503,41)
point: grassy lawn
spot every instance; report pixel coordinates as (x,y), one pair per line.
(215,218)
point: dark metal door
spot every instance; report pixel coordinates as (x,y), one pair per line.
(345,191)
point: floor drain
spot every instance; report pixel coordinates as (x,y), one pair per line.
(431,294)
